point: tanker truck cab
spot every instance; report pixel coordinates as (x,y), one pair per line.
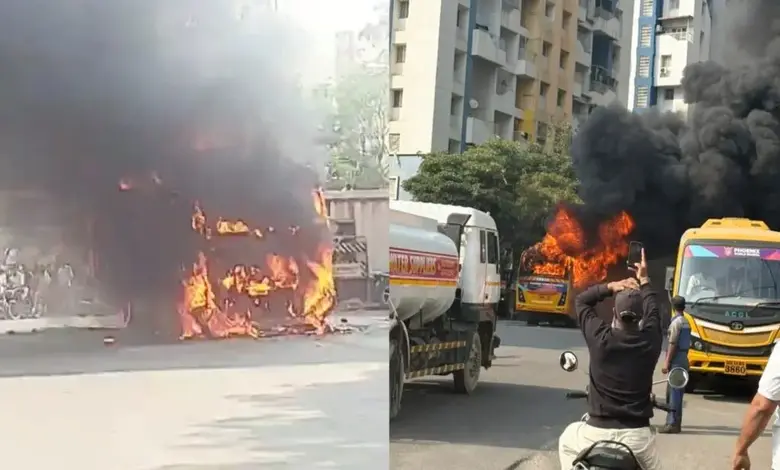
(728,270)
(445,286)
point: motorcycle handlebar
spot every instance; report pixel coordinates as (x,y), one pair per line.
(582,394)
(663,407)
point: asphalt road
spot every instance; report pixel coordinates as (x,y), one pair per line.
(514,418)
(71,403)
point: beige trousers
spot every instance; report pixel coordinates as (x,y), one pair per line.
(577,436)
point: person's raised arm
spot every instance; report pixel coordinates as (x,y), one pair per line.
(651,316)
(593,327)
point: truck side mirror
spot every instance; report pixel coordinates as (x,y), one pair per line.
(669,278)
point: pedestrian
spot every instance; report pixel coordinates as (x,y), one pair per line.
(760,410)
(676,356)
(623,356)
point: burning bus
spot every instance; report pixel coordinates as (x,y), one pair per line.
(567,259)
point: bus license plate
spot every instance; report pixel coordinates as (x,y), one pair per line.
(735,368)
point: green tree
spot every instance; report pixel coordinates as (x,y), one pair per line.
(518,183)
(354,107)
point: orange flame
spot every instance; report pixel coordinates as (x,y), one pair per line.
(311,295)
(202,315)
(563,249)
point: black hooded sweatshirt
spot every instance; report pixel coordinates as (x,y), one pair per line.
(622,362)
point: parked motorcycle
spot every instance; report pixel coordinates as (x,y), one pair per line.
(16,301)
(613,455)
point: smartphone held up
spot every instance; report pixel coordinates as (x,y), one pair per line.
(634,254)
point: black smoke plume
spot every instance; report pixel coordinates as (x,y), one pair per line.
(181,100)
(671,174)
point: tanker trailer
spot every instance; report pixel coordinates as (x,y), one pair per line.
(444,291)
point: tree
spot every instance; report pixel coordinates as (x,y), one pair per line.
(354,107)
(518,183)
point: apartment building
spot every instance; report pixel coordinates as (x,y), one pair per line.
(464,71)
(669,35)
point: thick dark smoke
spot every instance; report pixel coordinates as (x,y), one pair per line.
(724,161)
(93,91)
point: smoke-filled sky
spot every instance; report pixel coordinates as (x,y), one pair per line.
(94,91)
(724,161)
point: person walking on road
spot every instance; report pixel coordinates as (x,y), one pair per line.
(676,356)
(760,410)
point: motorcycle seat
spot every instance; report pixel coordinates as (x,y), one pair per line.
(608,455)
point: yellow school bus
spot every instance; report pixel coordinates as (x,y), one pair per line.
(728,271)
(541,298)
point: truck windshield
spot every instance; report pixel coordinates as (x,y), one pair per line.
(735,275)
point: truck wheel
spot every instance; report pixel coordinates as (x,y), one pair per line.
(467,378)
(397,376)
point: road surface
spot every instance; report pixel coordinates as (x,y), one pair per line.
(514,419)
(220,405)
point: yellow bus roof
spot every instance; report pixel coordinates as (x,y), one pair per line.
(731,228)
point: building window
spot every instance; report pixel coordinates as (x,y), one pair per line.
(394,142)
(646,36)
(563,60)
(549,9)
(643,68)
(642,96)
(647,7)
(403,9)
(674,5)
(543,89)
(566,21)
(669,94)
(400,53)
(666,65)
(398,98)
(546,49)
(541,133)
(561,98)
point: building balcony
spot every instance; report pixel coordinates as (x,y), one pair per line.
(397,68)
(525,68)
(395,114)
(583,55)
(602,87)
(606,23)
(505,103)
(510,19)
(399,24)
(478,131)
(486,47)
(577,88)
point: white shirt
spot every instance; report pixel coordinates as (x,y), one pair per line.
(769,388)
(699,280)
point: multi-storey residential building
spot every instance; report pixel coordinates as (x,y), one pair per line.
(464,71)
(669,35)
(602,37)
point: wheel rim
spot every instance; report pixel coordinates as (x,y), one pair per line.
(474,360)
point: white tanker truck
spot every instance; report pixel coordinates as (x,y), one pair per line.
(444,291)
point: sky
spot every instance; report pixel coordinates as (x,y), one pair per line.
(320,20)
